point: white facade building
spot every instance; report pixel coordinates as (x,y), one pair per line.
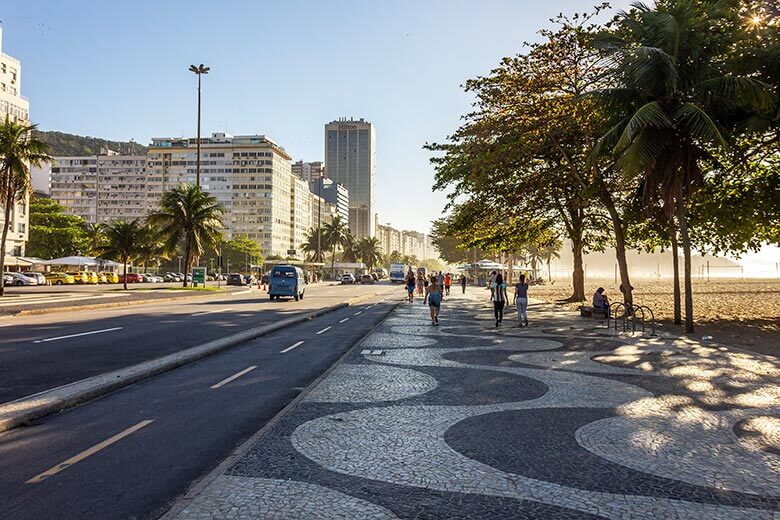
(16,108)
(101,188)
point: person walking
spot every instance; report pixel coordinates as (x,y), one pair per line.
(447,283)
(521,300)
(463,282)
(410,284)
(498,288)
(433,296)
(420,284)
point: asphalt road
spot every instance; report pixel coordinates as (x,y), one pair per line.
(131,453)
(42,352)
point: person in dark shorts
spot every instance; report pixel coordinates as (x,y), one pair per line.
(433,297)
(411,281)
(463,282)
(498,288)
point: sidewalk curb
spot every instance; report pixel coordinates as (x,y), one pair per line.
(201,484)
(26,409)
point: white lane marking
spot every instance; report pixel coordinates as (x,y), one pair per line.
(233,377)
(326,329)
(77,335)
(288,349)
(211,312)
(57,299)
(358,313)
(86,453)
(345,319)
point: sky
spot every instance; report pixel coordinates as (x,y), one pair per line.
(118,70)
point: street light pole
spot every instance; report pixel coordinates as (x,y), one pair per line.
(319,219)
(199,71)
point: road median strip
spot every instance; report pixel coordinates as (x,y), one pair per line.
(29,408)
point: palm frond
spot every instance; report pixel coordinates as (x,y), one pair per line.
(699,124)
(650,115)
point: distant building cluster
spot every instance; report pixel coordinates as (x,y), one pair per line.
(411,243)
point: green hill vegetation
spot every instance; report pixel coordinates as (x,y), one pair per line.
(63,144)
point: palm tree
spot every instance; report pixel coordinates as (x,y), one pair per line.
(122,240)
(335,235)
(96,237)
(18,151)
(370,251)
(549,252)
(313,245)
(350,250)
(673,100)
(190,216)
(151,245)
(395,257)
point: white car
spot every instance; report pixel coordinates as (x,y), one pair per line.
(19,279)
(347,278)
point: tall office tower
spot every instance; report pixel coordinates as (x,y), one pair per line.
(308,171)
(16,108)
(101,188)
(248,174)
(350,160)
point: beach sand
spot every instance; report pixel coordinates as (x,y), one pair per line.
(743,313)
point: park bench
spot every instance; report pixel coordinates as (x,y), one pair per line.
(589,311)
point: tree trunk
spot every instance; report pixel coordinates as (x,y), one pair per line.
(333,265)
(6,225)
(578,274)
(124,269)
(686,240)
(620,252)
(549,273)
(676,275)
(186,261)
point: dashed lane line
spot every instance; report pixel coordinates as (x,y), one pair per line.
(326,329)
(358,313)
(211,312)
(77,335)
(288,349)
(88,452)
(233,377)
(345,319)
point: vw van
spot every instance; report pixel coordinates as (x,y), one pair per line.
(286,281)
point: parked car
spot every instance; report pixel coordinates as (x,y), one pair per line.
(286,280)
(56,278)
(131,278)
(171,277)
(79,276)
(347,278)
(366,278)
(101,278)
(375,276)
(38,277)
(7,279)
(19,279)
(111,277)
(250,279)
(235,279)
(148,278)
(92,277)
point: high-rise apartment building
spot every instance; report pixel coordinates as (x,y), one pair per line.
(249,175)
(335,194)
(308,171)
(350,160)
(15,107)
(300,214)
(101,188)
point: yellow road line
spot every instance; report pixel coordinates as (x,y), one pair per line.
(88,452)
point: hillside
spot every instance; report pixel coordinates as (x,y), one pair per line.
(63,144)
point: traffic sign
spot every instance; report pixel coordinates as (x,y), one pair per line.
(199,275)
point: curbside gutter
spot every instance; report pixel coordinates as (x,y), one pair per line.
(26,409)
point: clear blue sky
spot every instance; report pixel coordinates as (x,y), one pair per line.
(118,70)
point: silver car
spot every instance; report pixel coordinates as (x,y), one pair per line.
(19,279)
(39,277)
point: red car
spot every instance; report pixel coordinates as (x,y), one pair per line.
(131,278)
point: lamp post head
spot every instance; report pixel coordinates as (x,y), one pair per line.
(200,69)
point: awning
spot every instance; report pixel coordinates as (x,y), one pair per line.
(84,261)
(17,261)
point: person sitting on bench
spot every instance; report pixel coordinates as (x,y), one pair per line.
(600,301)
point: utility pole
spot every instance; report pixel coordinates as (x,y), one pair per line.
(199,71)
(319,218)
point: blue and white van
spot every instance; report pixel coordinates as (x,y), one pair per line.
(287,281)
